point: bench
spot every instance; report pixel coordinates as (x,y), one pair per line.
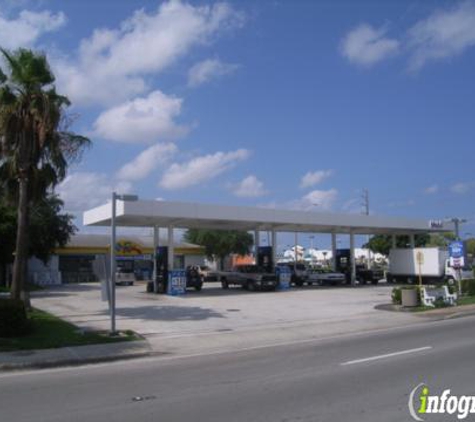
(430,294)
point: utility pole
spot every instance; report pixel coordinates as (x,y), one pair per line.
(457,222)
(365,205)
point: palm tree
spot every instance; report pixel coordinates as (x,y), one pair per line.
(35,146)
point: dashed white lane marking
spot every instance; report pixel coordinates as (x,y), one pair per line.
(386,356)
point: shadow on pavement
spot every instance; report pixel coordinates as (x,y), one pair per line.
(167,313)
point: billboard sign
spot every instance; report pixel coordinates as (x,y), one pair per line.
(457,254)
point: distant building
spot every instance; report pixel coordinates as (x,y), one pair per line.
(74,263)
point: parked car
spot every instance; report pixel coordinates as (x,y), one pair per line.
(323,277)
(250,277)
(193,278)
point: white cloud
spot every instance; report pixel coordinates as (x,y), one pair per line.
(111,65)
(147,161)
(366,45)
(322,199)
(462,187)
(316,200)
(208,69)
(250,187)
(143,120)
(201,169)
(84,190)
(445,33)
(314,178)
(431,189)
(28,27)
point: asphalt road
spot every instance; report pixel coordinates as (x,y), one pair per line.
(365,377)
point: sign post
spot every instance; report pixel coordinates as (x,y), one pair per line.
(420,262)
(457,254)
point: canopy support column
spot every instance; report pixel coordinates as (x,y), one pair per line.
(156,230)
(171,248)
(352,259)
(412,241)
(257,243)
(274,247)
(334,251)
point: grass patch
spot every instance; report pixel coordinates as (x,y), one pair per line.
(466,300)
(49,332)
(461,301)
(29,287)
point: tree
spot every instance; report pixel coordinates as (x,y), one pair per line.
(471,246)
(35,146)
(383,243)
(8,217)
(49,229)
(441,240)
(220,243)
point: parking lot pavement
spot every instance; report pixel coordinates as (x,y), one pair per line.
(214,319)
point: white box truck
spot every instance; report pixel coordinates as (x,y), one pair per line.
(434,266)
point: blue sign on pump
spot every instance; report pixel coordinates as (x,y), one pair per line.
(283,275)
(176,282)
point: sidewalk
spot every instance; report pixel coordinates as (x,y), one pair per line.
(79,355)
(448,313)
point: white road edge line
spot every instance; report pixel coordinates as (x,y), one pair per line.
(389,355)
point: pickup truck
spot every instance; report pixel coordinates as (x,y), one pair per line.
(324,277)
(125,277)
(249,277)
(368,275)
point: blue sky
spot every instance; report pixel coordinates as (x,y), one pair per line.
(291,104)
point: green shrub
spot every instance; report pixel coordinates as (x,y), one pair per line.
(396,296)
(13,318)
(440,303)
(468,287)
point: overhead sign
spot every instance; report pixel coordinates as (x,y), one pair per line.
(126,247)
(457,254)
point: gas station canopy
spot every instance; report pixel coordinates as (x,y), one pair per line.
(146,213)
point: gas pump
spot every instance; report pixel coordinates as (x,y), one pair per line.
(161,258)
(343,264)
(265,258)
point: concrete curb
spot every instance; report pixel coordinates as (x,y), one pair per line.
(434,314)
(74,356)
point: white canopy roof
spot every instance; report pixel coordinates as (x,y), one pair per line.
(195,215)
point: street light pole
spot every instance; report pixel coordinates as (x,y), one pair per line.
(113,266)
(112,256)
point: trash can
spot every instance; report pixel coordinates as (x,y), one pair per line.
(150,288)
(409,298)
